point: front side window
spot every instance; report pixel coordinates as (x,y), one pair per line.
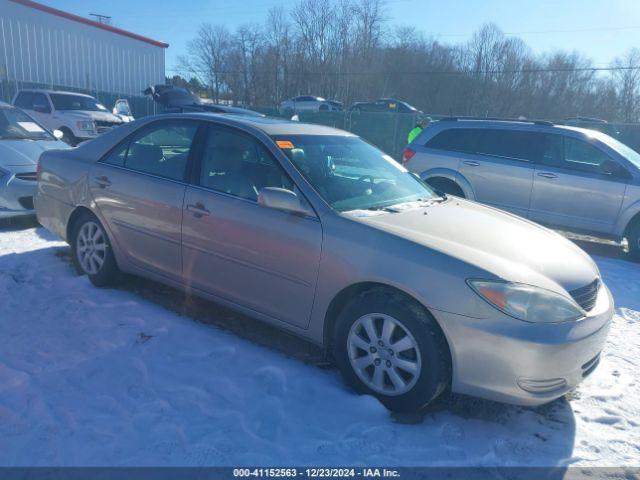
(583,157)
(350,174)
(67,101)
(237,164)
(161,149)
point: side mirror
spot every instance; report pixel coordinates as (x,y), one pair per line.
(58,134)
(281,199)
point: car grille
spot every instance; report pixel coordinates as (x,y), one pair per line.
(26,202)
(586,296)
(29,176)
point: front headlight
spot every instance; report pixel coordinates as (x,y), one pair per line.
(86,125)
(526,302)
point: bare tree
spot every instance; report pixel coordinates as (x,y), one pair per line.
(627,81)
(207,55)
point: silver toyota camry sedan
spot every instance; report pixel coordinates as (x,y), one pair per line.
(315,231)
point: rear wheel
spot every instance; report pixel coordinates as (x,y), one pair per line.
(92,252)
(444,185)
(387,345)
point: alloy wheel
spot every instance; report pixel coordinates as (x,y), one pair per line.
(384,354)
(91,248)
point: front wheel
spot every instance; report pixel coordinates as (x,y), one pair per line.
(387,345)
(68,137)
(633,238)
(92,252)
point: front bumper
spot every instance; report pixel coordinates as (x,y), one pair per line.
(511,361)
(16,195)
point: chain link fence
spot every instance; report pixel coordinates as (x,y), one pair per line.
(387,131)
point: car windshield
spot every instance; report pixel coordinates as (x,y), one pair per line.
(17,125)
(350,174)
(624,150)
(66,101)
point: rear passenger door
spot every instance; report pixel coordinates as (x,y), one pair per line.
(139,189)
(574,186)
(501,171)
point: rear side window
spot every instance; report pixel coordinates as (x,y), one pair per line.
(24,100)
(161,149)
(511,144)
(463,140)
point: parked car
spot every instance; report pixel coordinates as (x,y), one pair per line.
(178,100)
(567,177)
(593,124)
(79,117)
(122,110)
(388,105)
(309,103)
(316,231)
(22,140)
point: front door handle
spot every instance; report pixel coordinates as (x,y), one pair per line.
(103,181)
(198,209)
(547,175)
(471,163)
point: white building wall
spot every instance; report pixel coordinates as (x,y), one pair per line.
(40,48)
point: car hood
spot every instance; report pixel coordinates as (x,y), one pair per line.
(26,152)
(90,115)
(504,245)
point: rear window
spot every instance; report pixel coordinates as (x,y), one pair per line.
(456,140)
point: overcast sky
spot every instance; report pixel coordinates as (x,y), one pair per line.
(601,29)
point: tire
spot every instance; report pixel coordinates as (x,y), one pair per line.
(101,267)
(633,238)
(446,186)
(68,137)
(427,354)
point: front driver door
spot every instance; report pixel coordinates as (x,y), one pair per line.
(139,190)
(571,188)
(259,258)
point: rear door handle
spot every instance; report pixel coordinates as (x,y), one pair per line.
(471,163)
(198,209)
(103,181)
(547,175)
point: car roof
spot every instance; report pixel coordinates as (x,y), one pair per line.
(540,126)
(268,125)
(42,90)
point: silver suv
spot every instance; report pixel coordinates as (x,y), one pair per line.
(566,177)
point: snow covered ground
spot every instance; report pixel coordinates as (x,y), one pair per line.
(130,377)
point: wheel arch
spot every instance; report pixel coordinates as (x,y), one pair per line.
(75,215)
(452,176)
(342,298)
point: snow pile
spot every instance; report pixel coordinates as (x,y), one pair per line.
(104,377)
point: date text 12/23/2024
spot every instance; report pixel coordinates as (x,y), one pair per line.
(315,472)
